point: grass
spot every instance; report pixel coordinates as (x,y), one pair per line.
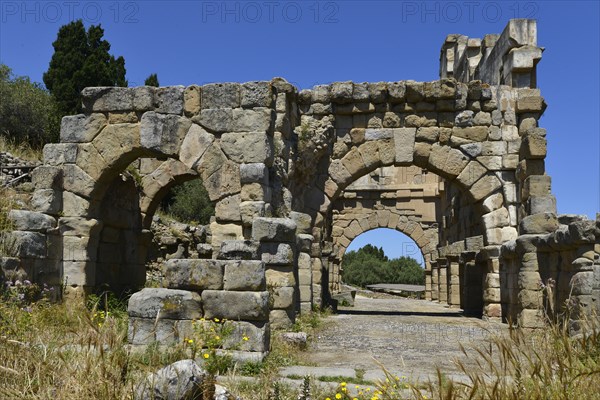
(546,363)
(7,246)
(22,150)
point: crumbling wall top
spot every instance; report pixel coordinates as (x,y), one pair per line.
(506,59)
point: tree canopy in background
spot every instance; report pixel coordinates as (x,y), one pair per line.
(28,112)
(152,80)
(369,265)
(81,59)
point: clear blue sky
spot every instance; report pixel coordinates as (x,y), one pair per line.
(312,42)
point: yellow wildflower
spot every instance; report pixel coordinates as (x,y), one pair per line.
(338,396)
(206,355)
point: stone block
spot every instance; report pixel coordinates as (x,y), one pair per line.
(496,219)
(533,147)
(238,250)
(159,303)
(539,223)
(193,274)
(531,319)
(247,306)
(245,276)
(254,120)
(536,185)
(530,104)
(257,94)
(23,220)
(250,210)
(541,204)
(215,119)
(47,177)
(485,186)
(221,95)
(404,141)
(228,209)
(194,145)
(47,201)
(169,100)
(474,133)
(280,276)
(57,154)
(250,147)
(530,298)
(281,319)
(341,92)
(256,334)
(303,221)
(163,133)
(304,242)
(282,297)
(378,134)
(81,128)
(27,244)
(277,253)
(254,173)
(102,99)
(354,164)
(191,100)
(256,192)
(79,248)
(146,331)
(274,230)
(143,98)
(80,273)
(223,182)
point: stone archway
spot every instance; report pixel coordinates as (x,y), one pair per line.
(275,160)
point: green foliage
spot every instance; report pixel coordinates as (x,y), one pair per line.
(81,59)
(369,265)
(152,80)
(189,202)
(28,113)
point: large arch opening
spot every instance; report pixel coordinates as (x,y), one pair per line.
(431,210)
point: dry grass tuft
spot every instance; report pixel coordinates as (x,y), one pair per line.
(540,364)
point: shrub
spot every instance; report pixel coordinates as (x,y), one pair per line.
(28,113)
(369,265)
(189,202)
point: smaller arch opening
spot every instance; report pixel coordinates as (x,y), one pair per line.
(384,259)
(152,211)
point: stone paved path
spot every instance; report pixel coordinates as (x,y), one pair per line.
(410,337)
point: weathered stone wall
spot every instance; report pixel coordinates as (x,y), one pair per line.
(554,275)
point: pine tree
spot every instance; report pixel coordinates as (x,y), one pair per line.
(81,59)
(152,80)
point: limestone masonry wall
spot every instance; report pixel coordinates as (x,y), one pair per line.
(296,175)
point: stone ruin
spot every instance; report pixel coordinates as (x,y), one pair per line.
(456,164)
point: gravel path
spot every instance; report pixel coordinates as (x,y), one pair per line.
(410,337)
